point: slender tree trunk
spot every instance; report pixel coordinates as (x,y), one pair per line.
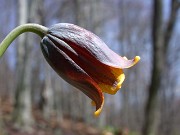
(48,94)
(151,112)
(161,41)
(58,95)
(22,112)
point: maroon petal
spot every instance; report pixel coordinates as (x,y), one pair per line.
(90,45)
(85,61)
(92,55)
(71,72)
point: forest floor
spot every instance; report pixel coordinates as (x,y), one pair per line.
(44,127)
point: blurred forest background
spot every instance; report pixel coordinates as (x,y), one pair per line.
(34,100)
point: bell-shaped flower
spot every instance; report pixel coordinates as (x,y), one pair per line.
(85,61)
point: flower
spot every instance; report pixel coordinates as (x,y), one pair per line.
(85,61)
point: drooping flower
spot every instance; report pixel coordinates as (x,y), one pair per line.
(85,61)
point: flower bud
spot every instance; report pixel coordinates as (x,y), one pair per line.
(85,61)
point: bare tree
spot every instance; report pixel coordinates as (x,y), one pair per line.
(22,113)
(161,39)
(28,11)
(47,94)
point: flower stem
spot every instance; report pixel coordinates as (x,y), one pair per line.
(35,28)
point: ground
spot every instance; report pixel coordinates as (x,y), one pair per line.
(45,127)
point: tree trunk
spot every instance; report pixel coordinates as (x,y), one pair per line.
(151,112)
(48,95)
(22,112)
(160,64)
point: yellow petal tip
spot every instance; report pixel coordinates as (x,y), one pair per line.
(97,112)
(120,79)
(136,59)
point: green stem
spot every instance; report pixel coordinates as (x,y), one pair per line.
(35,28)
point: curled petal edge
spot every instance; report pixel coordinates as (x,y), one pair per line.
(110,89)
(130,63)
(98,111)
(119,75)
